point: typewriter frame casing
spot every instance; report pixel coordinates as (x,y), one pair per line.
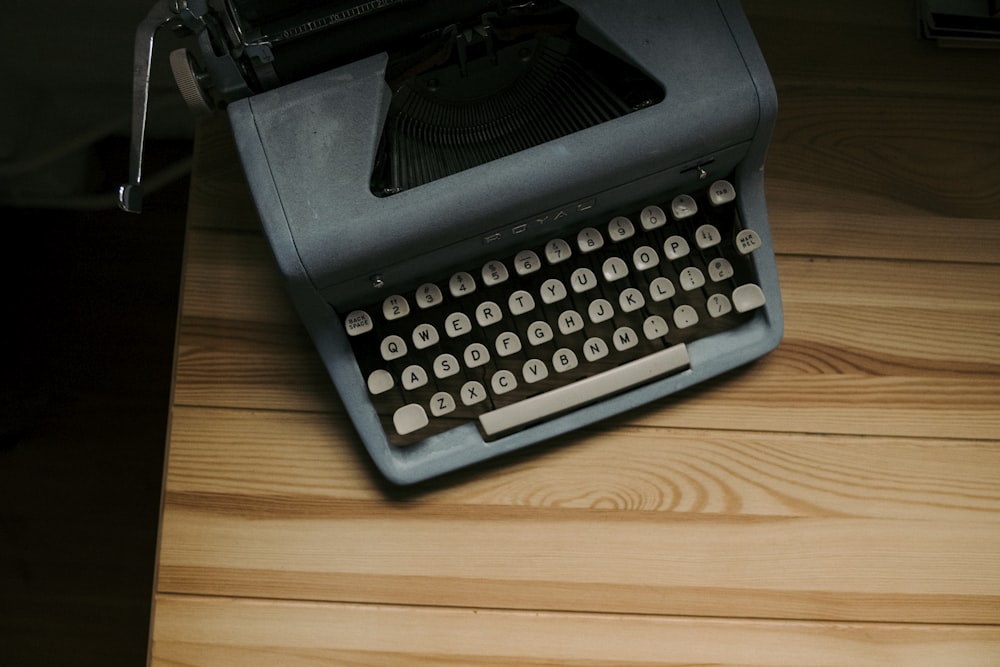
(308,149)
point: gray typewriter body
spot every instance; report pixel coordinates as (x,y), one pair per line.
(308,149)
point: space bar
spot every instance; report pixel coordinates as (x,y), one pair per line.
(568,397)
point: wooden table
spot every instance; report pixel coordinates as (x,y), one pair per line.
(837,502)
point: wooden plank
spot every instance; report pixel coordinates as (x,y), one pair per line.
(233,276)
(823,569)
(897,147)
(220,197)
(267,366)
(817,219)
(860,45)
(243,632)
(649,521)
(221,451)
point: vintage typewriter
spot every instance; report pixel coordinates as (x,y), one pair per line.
(499,220)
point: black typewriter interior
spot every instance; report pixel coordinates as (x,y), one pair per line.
(517,77)
(472,80)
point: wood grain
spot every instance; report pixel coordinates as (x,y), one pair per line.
(673,471)
(836,502)
(246,632)
(823,527)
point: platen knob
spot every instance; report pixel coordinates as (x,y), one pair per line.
(185,73)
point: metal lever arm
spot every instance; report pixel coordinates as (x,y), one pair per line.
(130,194)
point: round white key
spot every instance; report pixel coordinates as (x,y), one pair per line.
(721,192)
(413,377)
(521,302)
(445,365)
(379,382)
(425,335)
(526,262)
(589,240)
(461,284)
(654,327)
(652,217)
(494,273)
(599,311)
(614,268)
(476,355)
(661,289)
(620,229)
(564,360)
(429,295)
(645,258)
(595,348)
(392,347)
(570,322)
(539,332)
(395,307)
(409,418)
(720,269)
(676,247)
(442,403)
(707,236)
(583,279)
(358,322)
(625,338)
(557,251)
(507,344)
(691,278)
(534,370)
(552,290)
(685,316)
(683,206)
(488,313)
(748,297)
(457,324)
(747,241)
(631,300)
(473,392)
(503,382)
(718,305)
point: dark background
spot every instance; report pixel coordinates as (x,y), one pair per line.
(90,301)
(89,308)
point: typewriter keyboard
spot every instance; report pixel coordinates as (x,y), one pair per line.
(556,326)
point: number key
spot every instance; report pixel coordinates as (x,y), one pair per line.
(526,262)
(395,307)
(557,251)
